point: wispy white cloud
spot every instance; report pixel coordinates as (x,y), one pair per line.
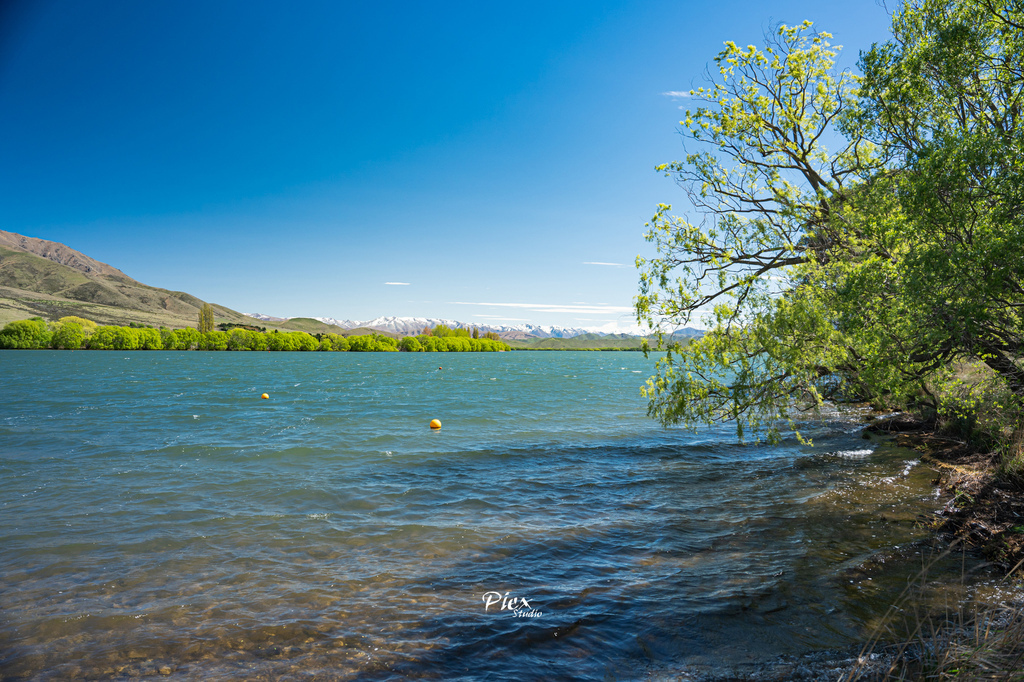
(397,284)
(676,93)
(597,262)
(503,318)
(555,308)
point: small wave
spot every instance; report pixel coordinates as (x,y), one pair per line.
(853,453)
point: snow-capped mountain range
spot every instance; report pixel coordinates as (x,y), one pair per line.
(415,325)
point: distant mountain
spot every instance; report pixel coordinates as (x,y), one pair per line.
(415,325)
(265,318)
(410,326)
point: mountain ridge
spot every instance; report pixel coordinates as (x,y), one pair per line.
(44,278)
(415,325)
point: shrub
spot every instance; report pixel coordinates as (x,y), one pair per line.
(25,334)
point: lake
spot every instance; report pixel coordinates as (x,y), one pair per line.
(157,517)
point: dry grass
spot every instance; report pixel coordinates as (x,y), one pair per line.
(980,638)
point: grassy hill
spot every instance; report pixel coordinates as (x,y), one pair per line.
(50,280)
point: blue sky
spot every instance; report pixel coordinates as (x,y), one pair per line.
(478,161)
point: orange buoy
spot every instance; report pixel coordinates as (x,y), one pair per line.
(265,396)
(435,423)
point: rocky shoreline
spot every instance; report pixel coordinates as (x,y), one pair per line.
(984,514)
(985,510)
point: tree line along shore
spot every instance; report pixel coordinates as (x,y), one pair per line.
(76,333)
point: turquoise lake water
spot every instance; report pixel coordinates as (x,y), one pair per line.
(157,518)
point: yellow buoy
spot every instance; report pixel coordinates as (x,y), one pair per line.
(265,396)
(435,423)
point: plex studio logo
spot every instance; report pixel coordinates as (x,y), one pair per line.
(519,607)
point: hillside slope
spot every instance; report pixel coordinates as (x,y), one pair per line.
(51,280)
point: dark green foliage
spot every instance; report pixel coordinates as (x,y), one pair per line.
(228,326)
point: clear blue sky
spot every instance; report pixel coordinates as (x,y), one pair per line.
(295,158)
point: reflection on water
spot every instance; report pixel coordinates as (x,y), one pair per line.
(159,519)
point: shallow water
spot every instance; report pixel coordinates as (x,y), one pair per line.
(158,518)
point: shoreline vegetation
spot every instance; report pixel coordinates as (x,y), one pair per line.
(76,333)
(979,635)
(856,237)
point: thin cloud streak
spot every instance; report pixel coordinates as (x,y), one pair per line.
(597,262)
(553,308)
(502,317)
(397,284)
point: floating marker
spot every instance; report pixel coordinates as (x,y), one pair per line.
(265,396)
(435,423)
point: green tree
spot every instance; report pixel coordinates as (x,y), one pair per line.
(372,343)
(69,336)
(213,340)
(338,342)
(115,338)
(863,272)
(304,341)
(410,344)
(205,318)
(85,326)
(238,339)
(149,339)
(943,100)
(773,200)
(431,344)
(186,339)
(25,334)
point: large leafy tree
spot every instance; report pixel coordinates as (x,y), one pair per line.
(944,101)
(868,269)
(773,200)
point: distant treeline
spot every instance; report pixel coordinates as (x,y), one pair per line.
(72,333)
